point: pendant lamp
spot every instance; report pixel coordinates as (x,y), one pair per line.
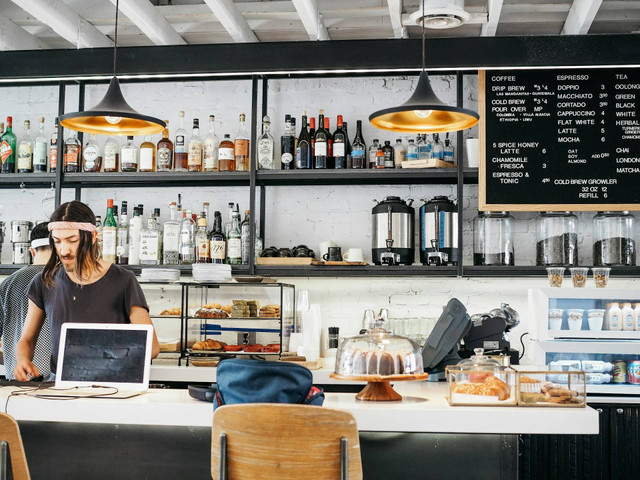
(113,115)
(424,112)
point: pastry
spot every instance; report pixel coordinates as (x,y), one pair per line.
(530,385)
(377,363)
(211,313)
(256,347)
(232,348)
(492,386)
(172,311)
(532,397)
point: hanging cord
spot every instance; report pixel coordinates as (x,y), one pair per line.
(115,40)
(522,343)
(423,41)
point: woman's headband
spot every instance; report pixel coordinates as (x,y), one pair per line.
(86,226)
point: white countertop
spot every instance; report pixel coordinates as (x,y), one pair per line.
(423,409)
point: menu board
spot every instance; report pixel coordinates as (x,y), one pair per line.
(559,139)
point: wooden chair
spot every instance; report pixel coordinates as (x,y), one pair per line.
(283,441)
(10,432)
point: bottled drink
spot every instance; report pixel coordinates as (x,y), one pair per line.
(412,151)
(399,153)
(245,234)
(171,237)
(287,145)
(437,148)
(72,152)
(327,128)
(303,150)
(217,240)
(40,146)
(321,158)
(373,151)
(147,155)
(135,229)
(234,242)
(91,158)
(111,156)
(202,241)
(195,148)
(628,320)
(347,145)
(358,150)
(231,208)
(8,148)
(187,239)
(164,161)
(150,243)
(448,150)
(25,150)
(389,160)
(265,146)
(99,227)
(242,147)
(210,148)
(180,149)
(122,244)
(312,136)
(53,148)
(129,156)
(424,148)
(109,234)
(340,146)
(226,155)
(380,157)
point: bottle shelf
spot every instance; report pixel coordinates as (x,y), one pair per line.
(13,180)
(150,179)
(357,271)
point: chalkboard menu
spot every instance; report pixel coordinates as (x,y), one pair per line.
(560,139)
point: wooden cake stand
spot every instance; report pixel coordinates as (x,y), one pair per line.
(378,388)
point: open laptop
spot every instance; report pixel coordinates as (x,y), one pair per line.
(102,360)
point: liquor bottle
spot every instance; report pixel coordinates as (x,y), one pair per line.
(449,151)
(109,234)
(1,129)
(245,234)
(187,239)
(40,146)
(380,157)
(217,240)
(72,153)
(147,155)
(226,155)
(171,237)
(304,160)
(320,158)
(389,160)
(399,153)
(129,156)
(180,156)
(242,146)
(135,229)
(437,149)
(53,148)
(25,150)
(412,151)
(202,241)
(358,150)
(373,151)
(227,226)
(99,228)
(164,161)
(150,243)
(234,242)
(8,148)
(340,146)
(347,145)
(210,148)
(111,155)
(265,146)
(312,136)
(424,148)
(194,159)
(122,243)
(327,128)
(287,145)
(91,158)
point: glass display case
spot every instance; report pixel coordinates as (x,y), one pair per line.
(550,386)
(596,330)
(166,301)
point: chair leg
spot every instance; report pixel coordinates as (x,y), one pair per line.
(344,458)
(222,458)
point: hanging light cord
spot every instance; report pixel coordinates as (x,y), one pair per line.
(423,42)
(115,40)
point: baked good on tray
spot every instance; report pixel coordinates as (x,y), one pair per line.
(172,311)
(211,313)
(209,344)
(378,363)
(270,311)
(490,386)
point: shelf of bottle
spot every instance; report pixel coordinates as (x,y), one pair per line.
(185,270)
(13,180)
(149,179)
(356,271)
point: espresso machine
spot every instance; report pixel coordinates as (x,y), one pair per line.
(392,232)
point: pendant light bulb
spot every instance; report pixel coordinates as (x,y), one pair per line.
(423,113)
(113,120)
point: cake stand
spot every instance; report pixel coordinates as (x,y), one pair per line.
(378,388)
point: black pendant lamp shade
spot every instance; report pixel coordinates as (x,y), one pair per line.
(424,112)
(112,116)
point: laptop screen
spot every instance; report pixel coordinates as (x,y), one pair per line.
(104,354)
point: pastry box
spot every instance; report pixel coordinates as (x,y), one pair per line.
(545,386)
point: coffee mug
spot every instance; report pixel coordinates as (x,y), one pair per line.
(324,247)
(353,255)
(334,254)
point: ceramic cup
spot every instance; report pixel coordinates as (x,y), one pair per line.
(334,254)
(323,247)
(353,255)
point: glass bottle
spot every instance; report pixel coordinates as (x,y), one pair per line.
(557,239)
(217,240)
(493,239)
(147,155)
(245,233)
(399,153)
(327,128)
(109,234)
(373,151)
(340,146)
(226,155)
(358,149)
(25,150)
(40,146)
(171,237)
(187,239)
(437,148)
(210,147)
(180,148)
(53,148)
(91,158)
(389,160)
(265,146)
(424,148)
(195,148)
(242,146)
(321,156)
(312,136)
(164,156)
(379,157)
(111,155)
(122,244)
(614,239)
(304,159)
(135,229)
(412,151)
(287,146)
(72,153)
(448,151)
(8,148)
(150,240)
(202,241)
(129,156)
(231,208)
(99,228)
(234,242)
(347,144)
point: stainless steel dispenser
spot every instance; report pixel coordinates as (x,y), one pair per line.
(439,232)
(392,240)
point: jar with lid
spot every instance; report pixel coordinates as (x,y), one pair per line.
(613,237)
(557,239)
(613,316)
(493,239)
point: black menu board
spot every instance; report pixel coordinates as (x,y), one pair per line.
(560,139)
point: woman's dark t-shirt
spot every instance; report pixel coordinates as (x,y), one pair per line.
(109,300)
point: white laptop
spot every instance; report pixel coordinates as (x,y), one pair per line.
(102,360)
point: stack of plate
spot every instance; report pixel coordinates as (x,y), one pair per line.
(211,272)
(160,275)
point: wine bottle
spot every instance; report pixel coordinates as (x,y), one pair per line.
(340,146)
(303,151)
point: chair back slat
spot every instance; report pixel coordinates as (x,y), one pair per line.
(10,432)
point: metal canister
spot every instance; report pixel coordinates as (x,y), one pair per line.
(21,253)
(619,371)
(20,230)
(633,371)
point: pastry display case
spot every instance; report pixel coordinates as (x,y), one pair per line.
(550,386)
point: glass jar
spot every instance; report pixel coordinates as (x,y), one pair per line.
(557,239)
(493,239)
(613,237)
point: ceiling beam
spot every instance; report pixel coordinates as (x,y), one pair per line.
(395,13)
(494,8)
(232,20)
(14,37)
(65,22)
(150,22)
(580,17)
(311,19)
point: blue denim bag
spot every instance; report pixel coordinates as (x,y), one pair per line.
(257,381)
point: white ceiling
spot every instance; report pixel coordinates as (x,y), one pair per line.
(37,24)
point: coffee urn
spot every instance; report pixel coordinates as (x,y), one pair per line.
(439,232)
(392,240)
